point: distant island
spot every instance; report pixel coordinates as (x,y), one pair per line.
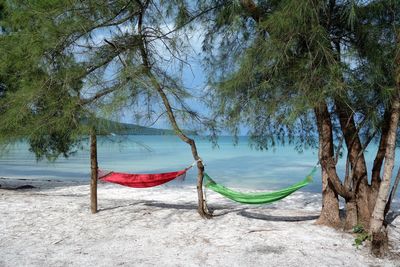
(106,127)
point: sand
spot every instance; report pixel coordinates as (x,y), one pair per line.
(50,225)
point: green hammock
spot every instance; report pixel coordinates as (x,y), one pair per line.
(256,198)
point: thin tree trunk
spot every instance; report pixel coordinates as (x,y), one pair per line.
(202,206)
(330,203)
(93,168)
(378,231)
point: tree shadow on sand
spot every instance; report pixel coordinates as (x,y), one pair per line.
(183,206)
(274,218)
(32,185)
(152,203)
(224,210)
(391,216)
(215,210)
(131,204)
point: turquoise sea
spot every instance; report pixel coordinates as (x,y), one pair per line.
(238,166)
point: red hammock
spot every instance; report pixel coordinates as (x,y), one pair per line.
(141,180)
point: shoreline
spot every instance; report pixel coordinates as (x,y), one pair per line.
(51,225)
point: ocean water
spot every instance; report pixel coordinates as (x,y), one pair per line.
(233,165)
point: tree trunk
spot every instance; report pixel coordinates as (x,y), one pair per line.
(351,219)
(358,182)
(363,198)
(378,230)
(94,169)
(379,243)
(330,203)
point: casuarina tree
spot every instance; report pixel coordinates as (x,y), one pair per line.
(83,60)
(313,72)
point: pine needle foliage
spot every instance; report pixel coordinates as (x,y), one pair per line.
(66,63)
(272,63)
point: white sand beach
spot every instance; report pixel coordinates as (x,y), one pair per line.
(51,225)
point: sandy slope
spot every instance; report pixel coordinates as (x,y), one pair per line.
(51,226)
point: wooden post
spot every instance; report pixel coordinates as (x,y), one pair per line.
(93,168)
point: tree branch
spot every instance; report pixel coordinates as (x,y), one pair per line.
(380,154)
(252,9)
